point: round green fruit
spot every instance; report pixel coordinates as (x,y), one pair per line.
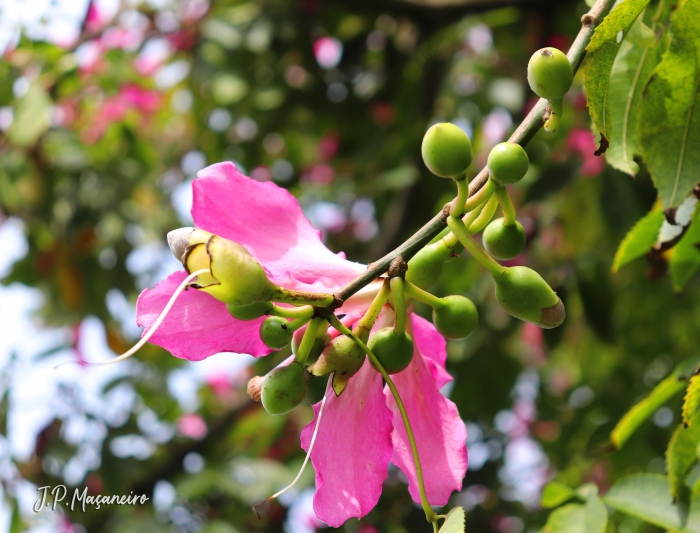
(284,388)
(394,350)
(425,267)
(502,241)
(447,151)
(457,318)
(275,332)
(507,163)
(525,295)
(342,357)
(549,73)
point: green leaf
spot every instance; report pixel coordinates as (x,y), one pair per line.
(682,454)
(455,521)
(630,73)
(567,519)
(31,117)
(554,494)
(595,515)
(600,56)
(670,114)
(686,254)
(640,238)
(663,392)
(648,496)
(691,402)
(576,518)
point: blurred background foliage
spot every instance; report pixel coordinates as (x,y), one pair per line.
(108,110)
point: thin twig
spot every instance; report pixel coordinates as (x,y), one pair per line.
(522,135)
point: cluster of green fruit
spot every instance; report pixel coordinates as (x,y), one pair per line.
(236,279)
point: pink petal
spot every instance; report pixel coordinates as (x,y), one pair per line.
(198,325)
(433,346)
(268,221)
(440,434)
(352,449)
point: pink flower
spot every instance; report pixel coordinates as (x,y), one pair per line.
(582,143)
(361,430)
(192,426)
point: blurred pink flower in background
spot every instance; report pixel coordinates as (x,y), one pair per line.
(582,143)
(115,108)
(192,426)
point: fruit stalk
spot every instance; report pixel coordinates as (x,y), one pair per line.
(506,205)
(308,339)
(478,253)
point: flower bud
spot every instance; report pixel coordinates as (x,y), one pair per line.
(525,295)
(502,241)
(342,357)
(275,332)
(425,267)
(249,312)
(457,318)
(234,277)
(255,388)
(394,350)
(284,388)
(446,150)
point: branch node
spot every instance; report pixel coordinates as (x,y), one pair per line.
(588,19)
(398,268)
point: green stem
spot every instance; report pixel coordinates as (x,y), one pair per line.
(370,316)
(421,295)
(397,294)
(484,217)
(480,196)
(307,341)
(429,513)
(506,205)
(462,233)
(290,296)
(457,206)
(450,239)
(305,311)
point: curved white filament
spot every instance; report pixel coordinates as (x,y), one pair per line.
(136,347)
(308,453)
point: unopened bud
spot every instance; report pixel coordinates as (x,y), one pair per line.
(234,277)
(255,388)
(342,357)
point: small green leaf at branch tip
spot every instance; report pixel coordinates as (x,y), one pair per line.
(648,497)
(669,123)
(600,56)
(691,401)
(685,260)
(639,240)
(554,494)
(455,521)
(682,454)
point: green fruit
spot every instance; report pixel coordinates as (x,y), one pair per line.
(249,312)
(525,295)
(284,388)
(457,318)
(275,332)
(342,357)
(507,163)
(549,73)
(504,242)
(394,350)
(447,151)
(425,267)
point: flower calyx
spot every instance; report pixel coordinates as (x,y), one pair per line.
(234,277)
